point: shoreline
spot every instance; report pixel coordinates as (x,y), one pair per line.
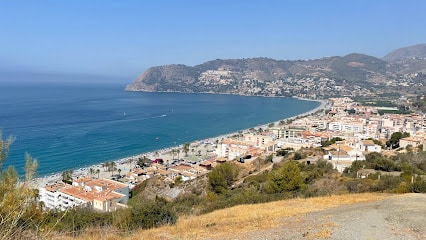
(163,153)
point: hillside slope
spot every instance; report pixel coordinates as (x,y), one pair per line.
(362,216)
(415,51)
(356,216)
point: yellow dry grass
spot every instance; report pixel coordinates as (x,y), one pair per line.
(242,219)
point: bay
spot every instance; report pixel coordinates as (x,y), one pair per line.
(69,126)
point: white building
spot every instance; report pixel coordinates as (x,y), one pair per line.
(99,194)
(368,146)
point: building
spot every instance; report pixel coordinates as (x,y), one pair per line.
(287,132)
(232,149)
(413,142)
(99,194)
(369,146)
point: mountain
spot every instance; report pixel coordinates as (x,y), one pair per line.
(352,75)
(415,51)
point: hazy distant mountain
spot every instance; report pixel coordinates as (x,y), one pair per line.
(351,74)
(415,51)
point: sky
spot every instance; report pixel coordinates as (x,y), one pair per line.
(124,38)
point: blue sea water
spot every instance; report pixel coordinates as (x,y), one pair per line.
(68,126)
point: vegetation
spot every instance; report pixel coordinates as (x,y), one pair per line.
(393,142)
(67,176)
(420,103)
(20,212)
(229,184)
(284,151)
(287,178)
(222,177)
(331,141)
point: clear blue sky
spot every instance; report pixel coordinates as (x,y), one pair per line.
(123,38)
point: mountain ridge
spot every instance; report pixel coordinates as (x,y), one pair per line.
(414,51)
(355,72)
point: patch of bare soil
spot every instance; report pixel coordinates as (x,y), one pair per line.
(396,217)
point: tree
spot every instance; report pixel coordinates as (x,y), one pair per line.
(173,153)
(105,166)
(297,156)
(30,167)
(130,163)
(393,142)
(144,161)
(91,171)
(113,167)
(4,147)
(19,211)
(67,176)
(331,141)
(285,179)
(119,171)
(97,172)
(185,149)
(222,177)
(178,180)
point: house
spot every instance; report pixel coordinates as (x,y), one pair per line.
(98,194)
(414,142)
(369,146)
(342,156)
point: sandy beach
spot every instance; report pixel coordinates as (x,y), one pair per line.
(204,147)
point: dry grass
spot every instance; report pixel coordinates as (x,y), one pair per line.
(242,219)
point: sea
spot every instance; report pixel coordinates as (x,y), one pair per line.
(69,126)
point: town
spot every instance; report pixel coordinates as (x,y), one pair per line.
(351,130)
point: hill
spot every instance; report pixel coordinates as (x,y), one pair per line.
(351,75)
(415,51)
(357,216)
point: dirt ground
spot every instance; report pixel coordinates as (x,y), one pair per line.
(396,217)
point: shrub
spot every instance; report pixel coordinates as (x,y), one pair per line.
(286,178)
(222,177)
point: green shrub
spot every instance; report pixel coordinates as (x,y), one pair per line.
(222,177)
(286,178)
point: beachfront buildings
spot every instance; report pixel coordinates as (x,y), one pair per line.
(250,144)
(103,195)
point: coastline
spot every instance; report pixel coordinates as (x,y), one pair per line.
(125,164)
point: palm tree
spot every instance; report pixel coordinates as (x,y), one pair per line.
(192,150)
(91,171)
(178,151)
(98,171)
(105,166)
(130,162)
(205,147)
(119,171)
(185,149)
(173,153)
(113,165)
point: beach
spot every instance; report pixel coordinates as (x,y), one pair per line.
(202,147)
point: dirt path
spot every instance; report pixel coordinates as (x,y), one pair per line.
(397,217)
